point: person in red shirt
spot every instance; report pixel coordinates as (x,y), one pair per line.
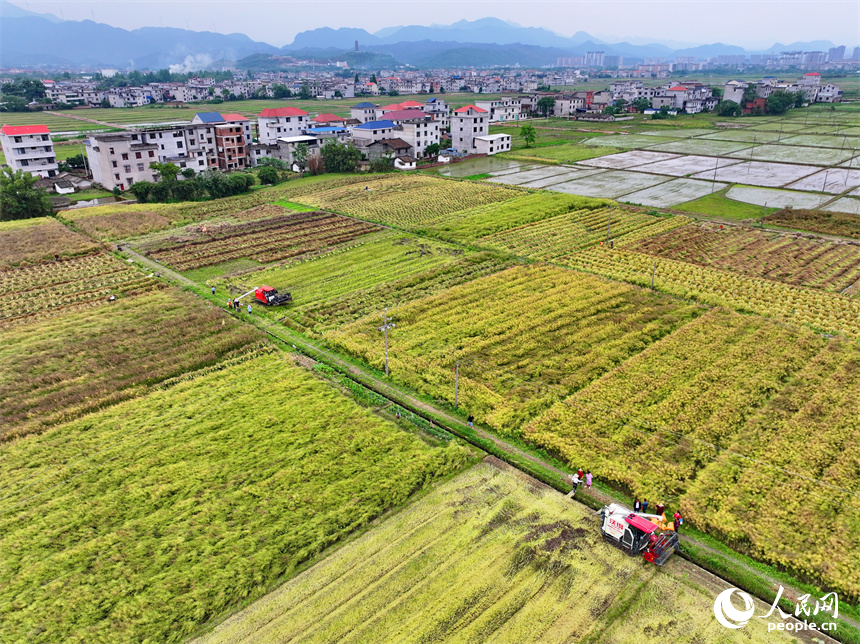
(677,519)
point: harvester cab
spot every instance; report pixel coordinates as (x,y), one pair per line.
(638,534)
(269,296)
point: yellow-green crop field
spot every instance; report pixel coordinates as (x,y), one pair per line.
(523,336)
(486,557)
(143,521)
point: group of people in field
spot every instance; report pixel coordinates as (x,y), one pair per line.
(639,507)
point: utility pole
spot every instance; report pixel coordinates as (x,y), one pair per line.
(763,210)
(384,328)
(456,383)
(86,164)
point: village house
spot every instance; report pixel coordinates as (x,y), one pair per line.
(29,148)
(466,123)
(274,123)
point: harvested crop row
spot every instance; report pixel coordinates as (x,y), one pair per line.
(71,282)
(780,257)
(264,241)
(487,557)
(29,241)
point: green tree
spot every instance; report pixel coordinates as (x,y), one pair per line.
(305,92)
(641,104)
(356,78)
(281,91)
(340,157)
(750,94)
(104,103)
(19,197)
(799,99)
(529,134)
(75,162)
(545,105)
(728,108)
(167,171)
(779,102)
(300,156)
(373,78)
(394,92)
(432,150)
(142,190)
(268,175)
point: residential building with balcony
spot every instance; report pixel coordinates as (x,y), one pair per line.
(29,148)
(230,146)
(467,123)
(276,123)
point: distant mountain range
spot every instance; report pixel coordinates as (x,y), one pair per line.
(29,39)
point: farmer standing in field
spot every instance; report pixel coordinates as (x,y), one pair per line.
(644,506)
(471,420)
(677,520)
(575,481)
(213,290)
(249,309)
(588,480)
(230,304)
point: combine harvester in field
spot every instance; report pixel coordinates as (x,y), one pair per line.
(636,533)
(268,296)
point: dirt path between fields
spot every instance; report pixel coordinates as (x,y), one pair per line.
(84,118)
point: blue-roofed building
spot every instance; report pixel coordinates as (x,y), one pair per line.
(207,117)
(328,132)
(363,112)
(372,131)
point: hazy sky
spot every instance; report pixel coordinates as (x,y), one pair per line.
(749,23)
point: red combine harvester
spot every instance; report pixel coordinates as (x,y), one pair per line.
(639,534)
(268,296)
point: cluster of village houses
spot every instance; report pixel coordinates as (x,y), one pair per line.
(402,132)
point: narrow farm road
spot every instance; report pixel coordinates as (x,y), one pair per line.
(88,120)
(158,268)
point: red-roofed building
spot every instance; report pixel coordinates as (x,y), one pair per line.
(389,108)
(408,104)
(240,121)
(466,123)
(677,88)
(274,123)
(29,148)
(328,119)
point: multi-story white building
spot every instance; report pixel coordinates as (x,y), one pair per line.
(504,109)
(363,112)
(415,127)
(371,131)
(29,148)
(466,123)
(275,123)
(119,160)
(492,144)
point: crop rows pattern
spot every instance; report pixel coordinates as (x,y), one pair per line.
(567,233)
(142,521)
(809,430)
(787,258)
(407,201)
(43,289)
(64,366)
(487,557)
(29,241)
(523,336)
(795,305)
(264,240)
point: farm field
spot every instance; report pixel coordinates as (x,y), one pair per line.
(385,269)
(82,282)
(29,241)
(624,160)
(758,173)
(144,521)
(733,494)
(406,201)
(561,153)
(689,397)
(820,221)
(794,154)
(799,306)
(717,205)
(54,122)
(667,194)
(832,180)
(563,234)
(487,557)
(776,198)
(521,336)
(264,240)
(845,204)
(474,223)
(780,257)
(64,366)
(609,183)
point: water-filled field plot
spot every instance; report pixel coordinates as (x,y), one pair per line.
(833,180)
(795,154)
(628,159)
(759,173)
(776,198)
(609,184)
(673,192)
(684,166)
